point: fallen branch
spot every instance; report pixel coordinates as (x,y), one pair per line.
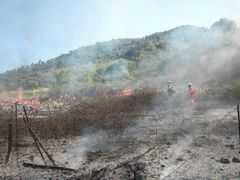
(9,143)
(37,166)
(124,163)
(238,114)
(101,172)
(36,139)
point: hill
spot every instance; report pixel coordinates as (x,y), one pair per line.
(185,53)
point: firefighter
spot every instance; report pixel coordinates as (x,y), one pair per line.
(192,92)
(171,89)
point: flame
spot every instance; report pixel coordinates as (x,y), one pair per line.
(34,103)
(7,102)
(126,92)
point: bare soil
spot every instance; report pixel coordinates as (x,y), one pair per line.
(195,141)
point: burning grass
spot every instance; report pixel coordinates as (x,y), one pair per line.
(103,112)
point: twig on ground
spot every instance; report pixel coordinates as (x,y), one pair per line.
(37,166)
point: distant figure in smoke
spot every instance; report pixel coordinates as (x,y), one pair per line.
(171,89)
(192,92)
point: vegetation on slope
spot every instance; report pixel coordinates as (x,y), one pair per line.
(174,52)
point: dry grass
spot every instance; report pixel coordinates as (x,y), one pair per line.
(104,112)
(5,119)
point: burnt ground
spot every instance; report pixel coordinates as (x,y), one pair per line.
(197,141)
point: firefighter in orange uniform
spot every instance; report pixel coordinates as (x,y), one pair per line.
(192,92)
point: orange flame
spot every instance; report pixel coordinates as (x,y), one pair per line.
(31,103)
(9,102)
(126,92)
(19,94)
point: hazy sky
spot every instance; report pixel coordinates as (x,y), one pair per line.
(41,29)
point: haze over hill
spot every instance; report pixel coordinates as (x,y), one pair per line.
(185,53)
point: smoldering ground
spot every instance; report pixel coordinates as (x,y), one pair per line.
(168,121)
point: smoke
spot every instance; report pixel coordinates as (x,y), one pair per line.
(75,153)
(189,58)
(211,54)
(187,54)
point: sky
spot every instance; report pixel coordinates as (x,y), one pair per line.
(31,30)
